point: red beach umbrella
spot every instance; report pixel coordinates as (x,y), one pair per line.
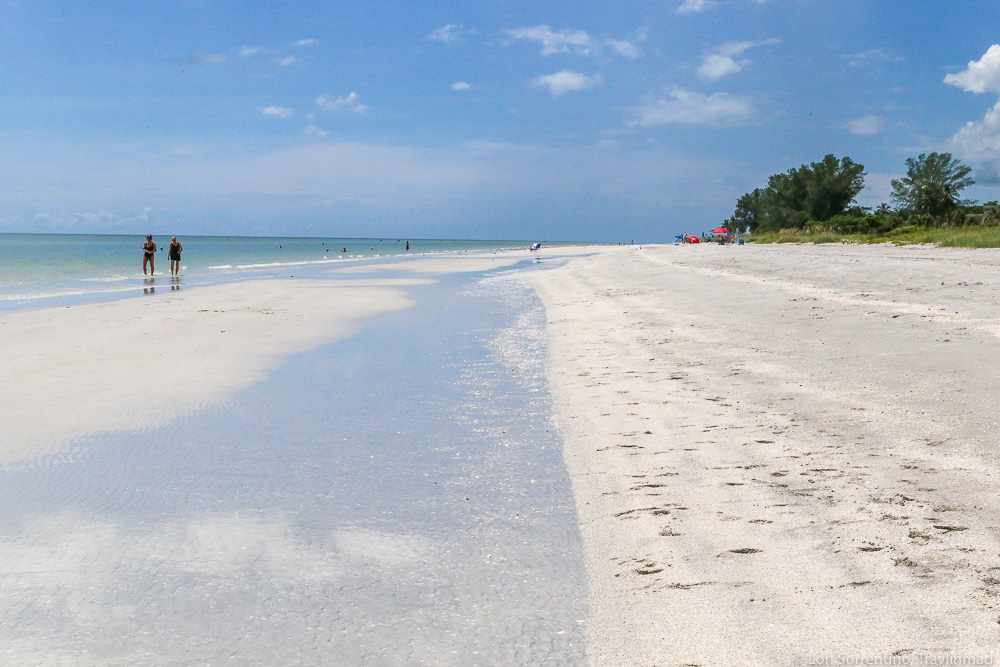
(720,230)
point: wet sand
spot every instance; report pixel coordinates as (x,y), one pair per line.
(138,363)
(782,454)
(265,487)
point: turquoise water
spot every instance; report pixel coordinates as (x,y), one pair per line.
(38,267)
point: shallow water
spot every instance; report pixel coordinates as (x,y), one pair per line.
(398,497)
(61,269)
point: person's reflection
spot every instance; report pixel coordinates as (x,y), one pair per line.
(175,283)
(150,287)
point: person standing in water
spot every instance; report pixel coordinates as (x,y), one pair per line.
(148,250)
(174,255)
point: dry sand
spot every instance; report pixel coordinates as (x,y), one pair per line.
(782,454)
(138,363)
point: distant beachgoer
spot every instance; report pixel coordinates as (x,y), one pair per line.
(148,249)
(407,245)
(174,255)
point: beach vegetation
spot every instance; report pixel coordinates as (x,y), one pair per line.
(966,236)
(932,185)
(814,192)
(815,204)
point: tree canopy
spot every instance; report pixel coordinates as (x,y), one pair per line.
(817,191)
(932,184)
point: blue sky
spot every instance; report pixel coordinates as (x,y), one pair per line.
(503,119)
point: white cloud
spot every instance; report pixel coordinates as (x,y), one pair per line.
(248,51)
(981,75)
(276,112)
(979,143)
(98,217)
(563,41)
(866,125)
(873,56)
(715,66)
(567,81)
(304,42)
(727,59)
(688,108)
(284,62)
(460,85)
(624,48)
(451,33)
(695,6)
(351,102)
(314,131)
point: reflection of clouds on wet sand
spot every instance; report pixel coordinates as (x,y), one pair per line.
(384,549)
(230,544)
(235,544)
(255,583)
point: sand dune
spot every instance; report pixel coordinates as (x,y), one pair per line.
(782,454)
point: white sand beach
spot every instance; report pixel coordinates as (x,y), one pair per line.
(782,453)
(779,454)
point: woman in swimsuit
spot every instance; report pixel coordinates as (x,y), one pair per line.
(174,255)
(148,248)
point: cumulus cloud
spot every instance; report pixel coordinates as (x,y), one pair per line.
(562,41)
(684,107)
(865,126)
(695,6)
(981,75)
(727,59)
(979,143)
(314,131)
(351,102)
(460,85)
(276,112)
(624,48)
(566,81)
(451,33)
(715,66)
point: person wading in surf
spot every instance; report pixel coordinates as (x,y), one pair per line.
(148,249)
(174,255)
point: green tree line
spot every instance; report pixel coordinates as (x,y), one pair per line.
(823,195)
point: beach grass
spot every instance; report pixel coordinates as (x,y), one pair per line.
(973,236)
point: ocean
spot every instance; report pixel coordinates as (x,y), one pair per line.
(76,268)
